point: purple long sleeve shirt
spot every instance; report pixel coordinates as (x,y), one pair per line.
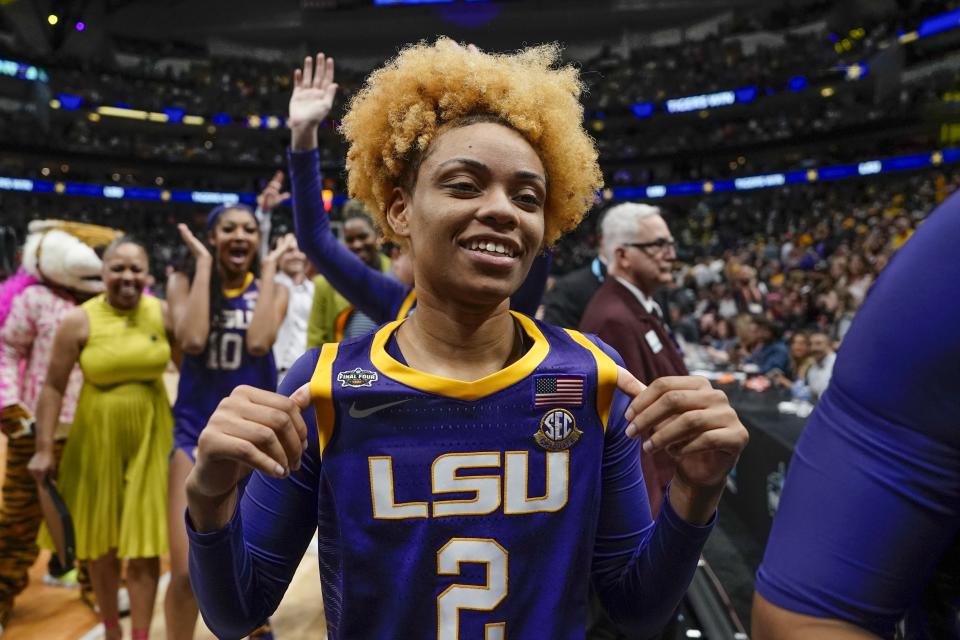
(389,568)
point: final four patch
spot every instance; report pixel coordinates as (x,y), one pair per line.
(357,378)
(558,430)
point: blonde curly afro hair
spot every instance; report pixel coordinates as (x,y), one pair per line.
(427,88)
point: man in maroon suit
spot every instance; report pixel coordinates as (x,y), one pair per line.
(639,252)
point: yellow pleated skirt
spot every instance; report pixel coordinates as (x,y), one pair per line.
(113,474)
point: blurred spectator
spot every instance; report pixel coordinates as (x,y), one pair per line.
(768,352)
(800,361)
(748,295)
(801,355)
(858,278)
(292,336)
(904,231)
(566,300)
(821,368)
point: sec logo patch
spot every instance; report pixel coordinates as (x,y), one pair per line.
(558,430)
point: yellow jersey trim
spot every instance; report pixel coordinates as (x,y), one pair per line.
(321,394)
(606,375)
(459,389)
(247,281)
(407,305)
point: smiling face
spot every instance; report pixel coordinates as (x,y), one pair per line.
(361,238)
(125,272)
(799,346)
(475,218)
(820,346)
(235,239)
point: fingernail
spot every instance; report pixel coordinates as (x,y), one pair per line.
(629,414)
(648,446)
(631,431)
(278,470)
(304,445)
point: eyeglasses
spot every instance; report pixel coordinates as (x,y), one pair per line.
(660,245)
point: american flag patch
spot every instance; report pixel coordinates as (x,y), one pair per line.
(558,390)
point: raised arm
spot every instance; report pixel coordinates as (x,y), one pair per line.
(271,304)
(267,201)
(71,336)
(374,293)
(167,321)
(190,300)
(242,558)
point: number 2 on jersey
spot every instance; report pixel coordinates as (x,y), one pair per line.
(471,597)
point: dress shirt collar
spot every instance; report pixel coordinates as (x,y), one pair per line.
(648,303)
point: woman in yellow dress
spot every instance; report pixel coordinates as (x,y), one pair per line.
(113,475)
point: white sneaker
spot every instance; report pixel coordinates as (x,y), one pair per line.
(123,603)
(67,580)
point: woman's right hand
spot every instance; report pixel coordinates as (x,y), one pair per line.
(41,465)
(311,101)
(313,92)
(251,429)
(197,248)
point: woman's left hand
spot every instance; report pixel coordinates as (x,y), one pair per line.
(285,244)
(272,196)
(197,248)
(691,421)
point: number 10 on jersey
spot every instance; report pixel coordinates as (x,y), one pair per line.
(224,351)
(459,597)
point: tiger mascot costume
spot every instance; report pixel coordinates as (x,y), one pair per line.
(60,268)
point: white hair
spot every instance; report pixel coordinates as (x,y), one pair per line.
(620,225)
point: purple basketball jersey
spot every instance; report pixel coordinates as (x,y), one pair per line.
(460,510)
(211,376)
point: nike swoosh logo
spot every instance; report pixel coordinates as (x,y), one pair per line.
(369,411)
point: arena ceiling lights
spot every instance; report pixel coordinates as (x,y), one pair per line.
(22,71)
(860,169)
(742,95)
(746,183)
(172,115)
(932,26)
(116,192)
